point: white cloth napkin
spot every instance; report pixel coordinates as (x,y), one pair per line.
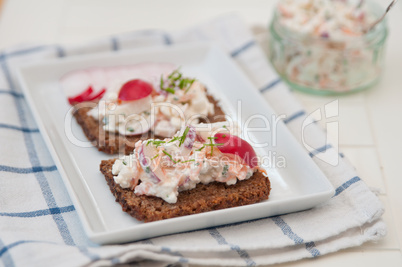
(39,225)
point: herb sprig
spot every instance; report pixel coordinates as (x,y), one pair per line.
(174,81)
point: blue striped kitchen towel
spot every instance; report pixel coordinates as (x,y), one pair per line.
(39,224)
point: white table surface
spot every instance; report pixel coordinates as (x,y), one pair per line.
(370,124)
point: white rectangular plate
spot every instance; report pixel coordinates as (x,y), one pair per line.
(298,186)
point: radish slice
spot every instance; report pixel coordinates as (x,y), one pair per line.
(72,83)
(86,96)
(233,144)
(134,90)
(145,153)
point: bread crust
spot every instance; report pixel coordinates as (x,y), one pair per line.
(203,198)
(114,143)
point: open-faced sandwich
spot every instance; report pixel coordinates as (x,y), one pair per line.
(115,118)
(202,168)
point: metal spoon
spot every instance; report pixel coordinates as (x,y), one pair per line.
(382,17)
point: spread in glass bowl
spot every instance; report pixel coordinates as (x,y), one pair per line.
(324,46)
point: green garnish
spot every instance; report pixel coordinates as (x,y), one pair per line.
(170,156)
(161,85)
(211,138)
(156,142)
(124,163)
(174,139)
(217,144)
(224,135)
(147,112)
(173,77)
(224,126)
(225,170)
(187,160)
(154,157)
(197,164)
(200,148)
(130,129)
(189,83)
(176,80)
(183,137)
(170,90)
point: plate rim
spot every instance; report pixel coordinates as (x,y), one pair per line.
(102,237)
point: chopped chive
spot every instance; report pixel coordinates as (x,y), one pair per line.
(224,126)
(130,129)
(184,135)
(170,156)
(210,138)
(174,139)
(188,160)
(225,170)
(147,112)
(161,84)
(200,148)
(154,157)
(217,144)
(124,163)
(156,142)
(189,85)
(224,135)
(170,90)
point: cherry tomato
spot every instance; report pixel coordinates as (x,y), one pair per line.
(235,145)
(134,90)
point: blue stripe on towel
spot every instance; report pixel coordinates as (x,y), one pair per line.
(34,160)
(243,48)
(286,230)
(14,94)
(60,51)
(4,168)
(8,261)
(167,39)
(345,185)
(38,213)
(294,116)
(270,85)
(222,241)
(115,44)
(320,150)
(22,129)
(310,246)
(24,51)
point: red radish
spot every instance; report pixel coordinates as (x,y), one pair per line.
(233,144)
(134,90)
(86,96)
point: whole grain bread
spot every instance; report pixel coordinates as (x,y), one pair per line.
(114,143)
(203,198)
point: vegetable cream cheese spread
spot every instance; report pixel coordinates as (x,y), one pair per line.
(163,168)
(162,110)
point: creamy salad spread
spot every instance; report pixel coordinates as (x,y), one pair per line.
(163,168)
(331,19)
(324,44)
(163,111)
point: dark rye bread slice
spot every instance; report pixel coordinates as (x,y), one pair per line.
(114,143)
(203,198)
